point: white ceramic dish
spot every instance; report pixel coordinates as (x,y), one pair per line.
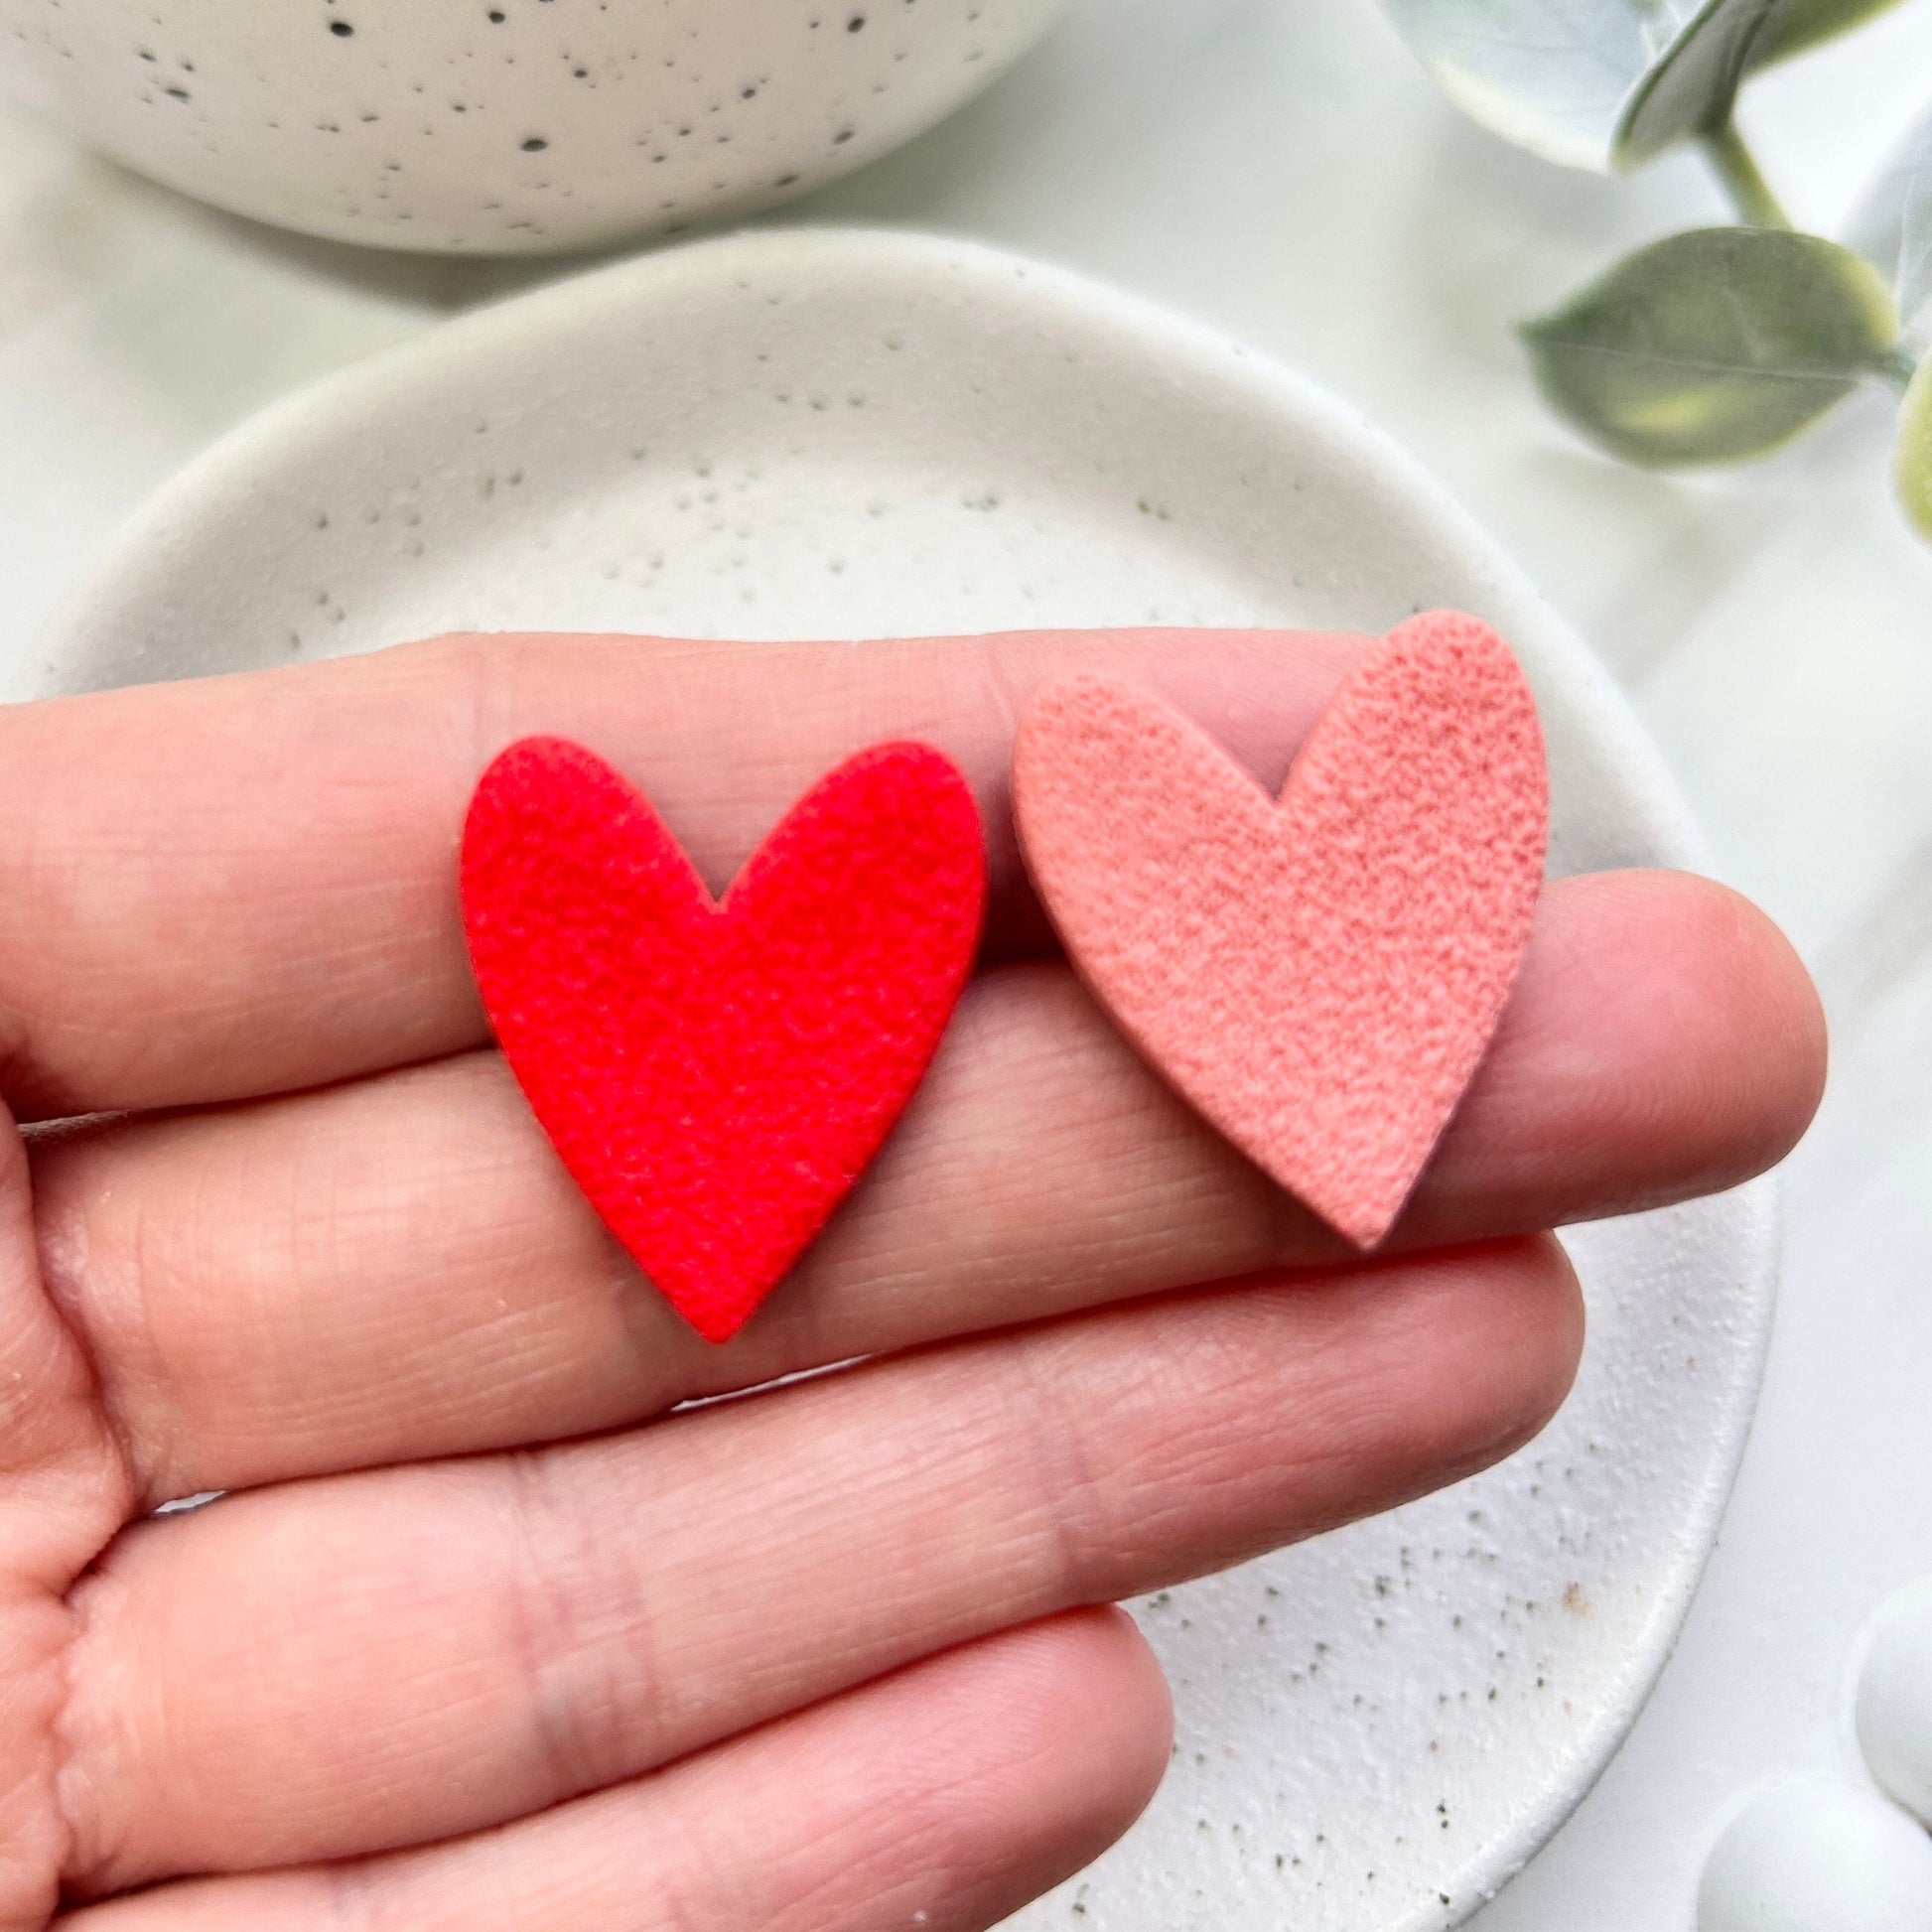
(843,434)
(503,127)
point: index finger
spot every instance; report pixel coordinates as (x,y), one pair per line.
(247,885)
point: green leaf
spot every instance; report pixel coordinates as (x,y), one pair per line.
(1892,226)
(1693,82)
(1714,345)
(1912,468)
(1556,77)
(1798,25)
(1605,84)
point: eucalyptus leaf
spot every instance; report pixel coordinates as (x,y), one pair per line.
(1556,77)
(1799,25)
(1693,87)
(1891,226)
(1713,345)
(1912,470)
(1605,84)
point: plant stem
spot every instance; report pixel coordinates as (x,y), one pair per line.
(1897,368)
(1749,191)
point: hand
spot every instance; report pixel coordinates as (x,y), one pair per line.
(480,1636)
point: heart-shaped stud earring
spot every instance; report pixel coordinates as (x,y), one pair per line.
(1319,975)
(716,1074)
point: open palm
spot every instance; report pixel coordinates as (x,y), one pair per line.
(481,1635)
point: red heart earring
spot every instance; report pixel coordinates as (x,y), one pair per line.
(1319,975)
(717,1074)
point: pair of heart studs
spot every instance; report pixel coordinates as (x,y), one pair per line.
(1319,975)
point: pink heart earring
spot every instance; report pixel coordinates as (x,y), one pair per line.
(1319,975)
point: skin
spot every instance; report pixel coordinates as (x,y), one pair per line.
(482,1636)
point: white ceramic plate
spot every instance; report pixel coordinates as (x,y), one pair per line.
(851,434)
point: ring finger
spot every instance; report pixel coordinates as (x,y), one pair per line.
(945,1796)
(327,1668)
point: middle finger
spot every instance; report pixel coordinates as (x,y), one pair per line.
(399,1269)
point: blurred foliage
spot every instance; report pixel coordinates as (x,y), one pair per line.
(1713,345)
(1723,344)
(1692,84)
(1892,224)
(1800,24)
(1912,472)
(1608,84)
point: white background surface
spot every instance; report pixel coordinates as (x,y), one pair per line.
(1279,168)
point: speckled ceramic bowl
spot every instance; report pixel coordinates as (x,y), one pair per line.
(503,127)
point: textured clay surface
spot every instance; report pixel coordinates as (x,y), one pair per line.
(1321,976)
(716,1074)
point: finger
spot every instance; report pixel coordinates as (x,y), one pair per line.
(398,1269)
(943,1797)
(374,1660)
(247,885)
